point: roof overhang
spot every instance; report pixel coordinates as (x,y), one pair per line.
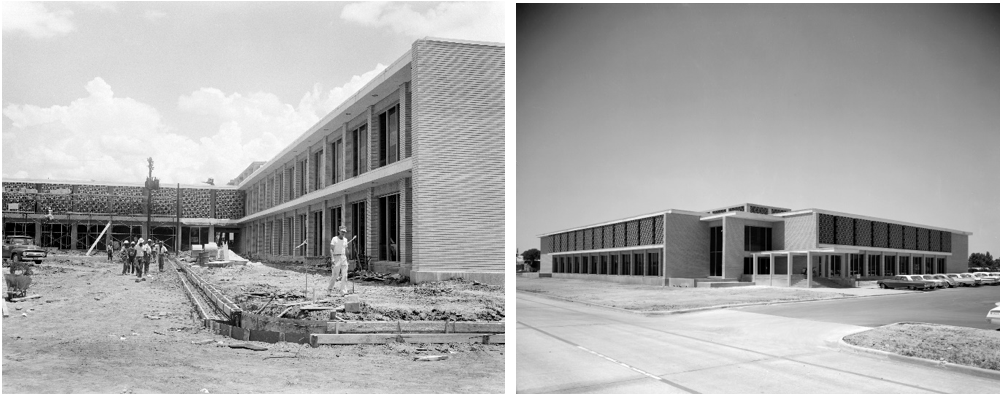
(742,215)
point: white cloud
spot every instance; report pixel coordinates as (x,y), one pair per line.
(107,138)
(481,21)
(35,20)
(154,15)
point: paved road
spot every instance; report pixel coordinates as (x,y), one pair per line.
(564,347)
(963,306)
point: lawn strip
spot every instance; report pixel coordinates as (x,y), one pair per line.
(958,345)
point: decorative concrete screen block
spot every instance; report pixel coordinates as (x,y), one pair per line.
(923,239)
(647,231)
(123,205)
(195,203)
(609,236)
(934,241)
(26,202)
(659,229)
(598,237)
(632,233)
(736,208)
(910,237)
(758,209)
(18,186)
(896,236)
(579,240)
(863,232)
(619,235)
(229,204)
(825,228)
(90,203)
(947,241)
(879,234)
(127,191)
(58,203)
(774,211)
(844,231)
(588,239)
(91,189)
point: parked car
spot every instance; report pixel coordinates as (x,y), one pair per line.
(952,283)
(964,279)
(908,282)
(929,277)
(993,315)
(22,248)
(987,278)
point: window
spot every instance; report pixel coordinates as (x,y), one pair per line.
(336,221)
(756,239)
(639,265)
(303,178)
(905,265)
(941,266)
(593,264)
(289,236)
(888,265)
(929,265)
(626,264)
(291,183)
(603,264)
(748,265)
(389,228)
(316,181)
(614,265)
(389,136)
(873,269)
(336,161)
(763,265)
(917,266)
(715,251)
(358,228)
(302,250)
(359,150)
(317,222)
(653,266)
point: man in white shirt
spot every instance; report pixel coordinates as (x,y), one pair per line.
(340,265)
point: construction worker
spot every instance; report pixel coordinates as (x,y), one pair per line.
(124,255)
(132,258)
(147,254)
(340,265)
(161,251)
(108,248)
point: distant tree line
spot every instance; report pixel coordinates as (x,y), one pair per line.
(983,262)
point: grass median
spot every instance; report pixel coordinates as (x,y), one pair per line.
(959,345)
(653,299)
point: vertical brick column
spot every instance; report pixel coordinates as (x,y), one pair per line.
(373,141)
(369,228)
(404,117)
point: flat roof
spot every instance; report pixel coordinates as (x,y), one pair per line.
(103,183)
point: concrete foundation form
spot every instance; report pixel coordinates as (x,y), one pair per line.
(481,276)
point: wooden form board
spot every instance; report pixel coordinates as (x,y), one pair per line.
(356,339)
(443,327)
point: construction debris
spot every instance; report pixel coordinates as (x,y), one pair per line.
(245,345)
(430,358)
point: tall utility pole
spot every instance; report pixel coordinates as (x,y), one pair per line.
(151,185)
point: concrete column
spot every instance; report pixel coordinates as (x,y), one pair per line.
(809,270)
(825,264)
(205,240)
(788,261)
(882,265)
(73,235)
(896,264)
(771,265)
(753,278)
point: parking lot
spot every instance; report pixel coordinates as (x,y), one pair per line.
(963,306)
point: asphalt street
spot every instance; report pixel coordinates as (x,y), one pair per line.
(961,306)
(565,347)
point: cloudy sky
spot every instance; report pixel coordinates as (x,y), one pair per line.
(90,90)
(889,111)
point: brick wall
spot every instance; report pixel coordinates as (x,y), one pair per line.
(686,250)
(458,141)
(800,232)
(957,261)
(732,247)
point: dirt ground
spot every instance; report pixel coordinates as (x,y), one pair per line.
(251,287)
(90,333)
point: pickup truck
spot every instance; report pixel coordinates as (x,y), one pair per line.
(22,248)
(910,282)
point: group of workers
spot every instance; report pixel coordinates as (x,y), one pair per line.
(136,256)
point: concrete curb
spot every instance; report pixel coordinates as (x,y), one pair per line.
(668,312)
(959,368)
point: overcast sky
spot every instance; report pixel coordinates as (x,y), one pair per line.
(889,111)
(90,90)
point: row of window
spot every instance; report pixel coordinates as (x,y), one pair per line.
(645,231)
(841,230)
(610,263)
(285,243)
(869,265)
(347,163)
